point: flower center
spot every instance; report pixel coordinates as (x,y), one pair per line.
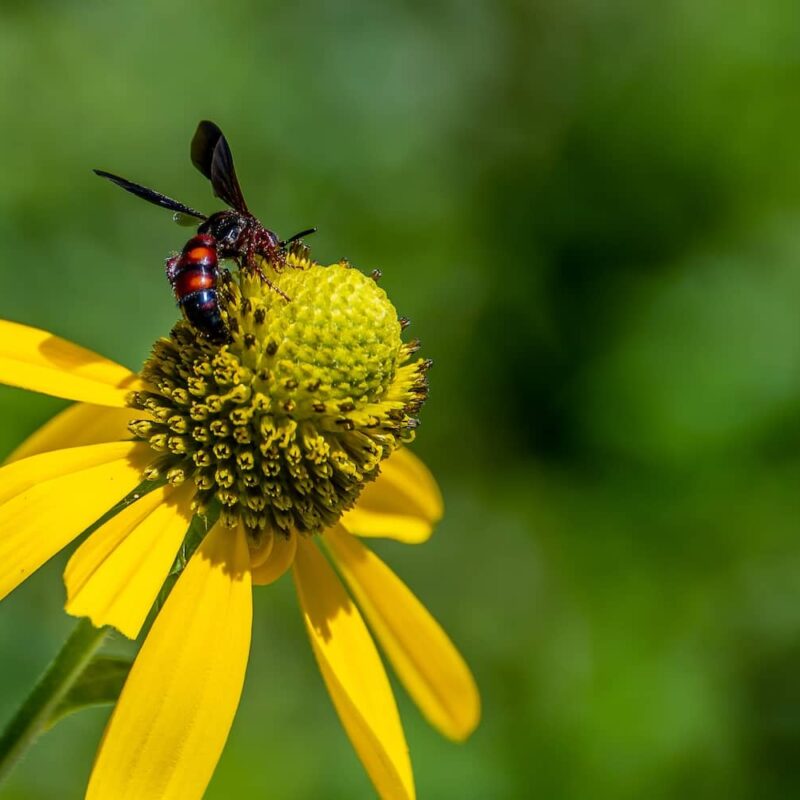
(284,424)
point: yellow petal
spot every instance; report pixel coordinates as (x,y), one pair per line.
(353,673)
(281,557)
(405,470)
(260,552)
(17,477)
(400,527)
(170,724)
(403,503)
(78,425)
(424,658)
(114,577)
(47,500)
(37,360)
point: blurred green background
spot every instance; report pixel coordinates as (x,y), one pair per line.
(591,212)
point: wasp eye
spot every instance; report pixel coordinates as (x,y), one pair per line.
(228,231)
(226,227)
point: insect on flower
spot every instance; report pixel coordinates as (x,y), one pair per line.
(237,234)
(222,466)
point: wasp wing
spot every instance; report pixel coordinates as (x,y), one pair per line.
(151,195)
(184,220)
(212,156)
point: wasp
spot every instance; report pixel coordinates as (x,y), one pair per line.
(234,234)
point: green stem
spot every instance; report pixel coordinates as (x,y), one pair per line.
(34,714)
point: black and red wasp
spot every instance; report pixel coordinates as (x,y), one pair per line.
(237,235)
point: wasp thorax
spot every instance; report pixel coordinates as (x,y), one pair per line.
(284,424)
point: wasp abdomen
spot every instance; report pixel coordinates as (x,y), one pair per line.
(193,280)
(202,310)
(194,276)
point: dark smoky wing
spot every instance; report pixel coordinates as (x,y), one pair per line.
(212,156)
(152,196)
(224,180)
(203,143)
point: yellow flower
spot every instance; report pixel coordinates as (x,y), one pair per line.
(278,433)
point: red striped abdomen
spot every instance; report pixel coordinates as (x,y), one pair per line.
(193,279)
(196,268)
(193,275)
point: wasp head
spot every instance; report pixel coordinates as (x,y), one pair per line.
(228,229)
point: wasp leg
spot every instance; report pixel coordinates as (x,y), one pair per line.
(171,268)
(255,266)
(276,289)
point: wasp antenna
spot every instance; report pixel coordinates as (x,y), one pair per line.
(306,232)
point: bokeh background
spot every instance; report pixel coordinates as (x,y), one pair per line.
(591,212)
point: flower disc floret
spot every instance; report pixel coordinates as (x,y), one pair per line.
(283,425)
